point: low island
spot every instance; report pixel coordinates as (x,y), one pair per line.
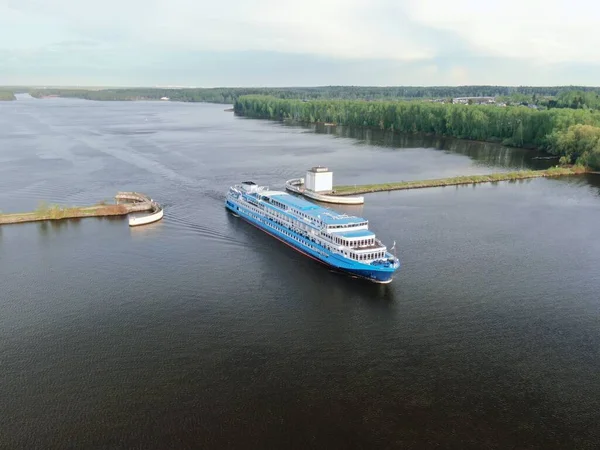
(126,202)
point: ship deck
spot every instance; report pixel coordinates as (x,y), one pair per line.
(354,233)
(369,247)
(327,215)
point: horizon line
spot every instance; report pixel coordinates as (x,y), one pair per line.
(168,86)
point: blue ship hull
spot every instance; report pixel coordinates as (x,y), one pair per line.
(378,274)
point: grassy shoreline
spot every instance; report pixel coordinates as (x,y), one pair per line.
(7,96)
(456,181)
(56,212)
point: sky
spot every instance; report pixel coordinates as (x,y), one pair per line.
(205,43)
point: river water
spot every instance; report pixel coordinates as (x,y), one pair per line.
(202,332)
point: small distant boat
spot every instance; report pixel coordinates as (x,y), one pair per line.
(339,241)
(165,98)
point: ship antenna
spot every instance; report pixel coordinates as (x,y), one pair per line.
(394,248)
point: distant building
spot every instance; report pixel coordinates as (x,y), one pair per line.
(474,100)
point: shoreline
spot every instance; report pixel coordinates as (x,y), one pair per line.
(63,213)
(135,202)
(342,191)
(417,134)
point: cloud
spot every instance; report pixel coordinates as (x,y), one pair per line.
(539,30)
(281,42)
(334,28)
(459,75)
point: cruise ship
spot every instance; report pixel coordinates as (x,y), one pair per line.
(340,241)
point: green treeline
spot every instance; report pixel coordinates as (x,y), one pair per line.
(218,95)
(518,126)
(528,94)
(576,99)
(568,98)
(7,96)
(578,143)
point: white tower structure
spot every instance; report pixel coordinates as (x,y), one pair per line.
(319,179)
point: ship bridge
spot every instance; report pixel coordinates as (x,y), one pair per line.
(361,239)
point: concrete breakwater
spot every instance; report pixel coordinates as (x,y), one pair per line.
(456,181)
(126,202)
(297,185)
(146,203)
(154,216)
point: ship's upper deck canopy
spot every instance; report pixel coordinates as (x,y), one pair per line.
(326,215)
(355,234)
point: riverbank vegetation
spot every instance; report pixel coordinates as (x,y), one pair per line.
(579,143)
(6,95)
(516,126)
(456,181)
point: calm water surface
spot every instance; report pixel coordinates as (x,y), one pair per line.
(202,332)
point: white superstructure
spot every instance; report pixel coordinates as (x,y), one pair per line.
(319,179)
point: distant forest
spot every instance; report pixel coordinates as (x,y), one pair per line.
(573,134)
(546,97)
